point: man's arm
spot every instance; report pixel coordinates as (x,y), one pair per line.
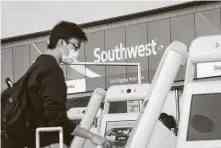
(53,93)
(81,132)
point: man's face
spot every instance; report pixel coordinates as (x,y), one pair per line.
(71,44)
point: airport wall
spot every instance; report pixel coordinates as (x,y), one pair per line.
(141,39)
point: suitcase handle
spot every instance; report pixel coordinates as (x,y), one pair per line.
(49,129)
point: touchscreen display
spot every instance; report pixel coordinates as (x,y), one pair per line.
(205,117)
(118,132)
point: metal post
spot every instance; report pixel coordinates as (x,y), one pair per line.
(139,76)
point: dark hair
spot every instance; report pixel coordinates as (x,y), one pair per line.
(167,120)
(65,30)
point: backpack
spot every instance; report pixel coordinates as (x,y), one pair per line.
(14,120)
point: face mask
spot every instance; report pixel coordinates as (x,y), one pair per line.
(70,58)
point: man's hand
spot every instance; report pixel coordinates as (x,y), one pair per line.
(98,140)
(95,139)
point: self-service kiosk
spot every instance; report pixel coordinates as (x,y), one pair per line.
(200,122)
(143,132)
(117,124)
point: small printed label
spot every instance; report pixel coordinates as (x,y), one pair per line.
(208,69)
(133,106)
(76,86)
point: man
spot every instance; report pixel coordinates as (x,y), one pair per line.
(48,88)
